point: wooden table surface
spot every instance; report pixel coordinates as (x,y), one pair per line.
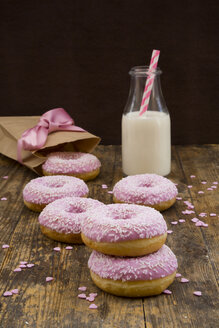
(55,304)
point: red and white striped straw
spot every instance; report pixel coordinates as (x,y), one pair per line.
(149,82)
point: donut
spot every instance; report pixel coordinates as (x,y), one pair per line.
(61,219)
(134,277)
(124,230)
(146,189)
(80,165)
(41,191)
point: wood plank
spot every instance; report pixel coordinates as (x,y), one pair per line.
(209,201)
(182,308)
(53,304)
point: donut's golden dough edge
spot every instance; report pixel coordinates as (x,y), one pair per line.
(70,238)
(35,207)
(159,207)
(137,288)
(84,176)
(131,248)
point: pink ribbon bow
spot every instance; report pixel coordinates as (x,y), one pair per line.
(54,120)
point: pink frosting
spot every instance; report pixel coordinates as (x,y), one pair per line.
(145,189)
(45,190)
(120,222)
(65,215)
(153,266)
(71,163)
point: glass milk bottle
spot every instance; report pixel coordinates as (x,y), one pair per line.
(146,144)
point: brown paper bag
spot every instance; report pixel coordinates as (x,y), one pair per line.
(11,129)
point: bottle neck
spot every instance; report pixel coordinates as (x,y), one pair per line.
(137,86)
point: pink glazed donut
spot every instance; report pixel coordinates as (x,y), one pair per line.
(80,165)
(146,189)
(124,230)
(40,192)
(61,219)
(134,277)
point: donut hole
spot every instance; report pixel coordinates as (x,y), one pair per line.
(69,156)
(145,184)
(54,184)
(124,215)
(75,209)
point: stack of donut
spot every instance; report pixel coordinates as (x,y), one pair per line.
(129,257)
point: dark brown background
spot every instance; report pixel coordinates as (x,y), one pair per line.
(77,54)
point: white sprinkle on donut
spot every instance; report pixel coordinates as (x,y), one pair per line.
(65,215)
(71,163)
(45,190)
(121,222)
(147,189)
(153,266)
